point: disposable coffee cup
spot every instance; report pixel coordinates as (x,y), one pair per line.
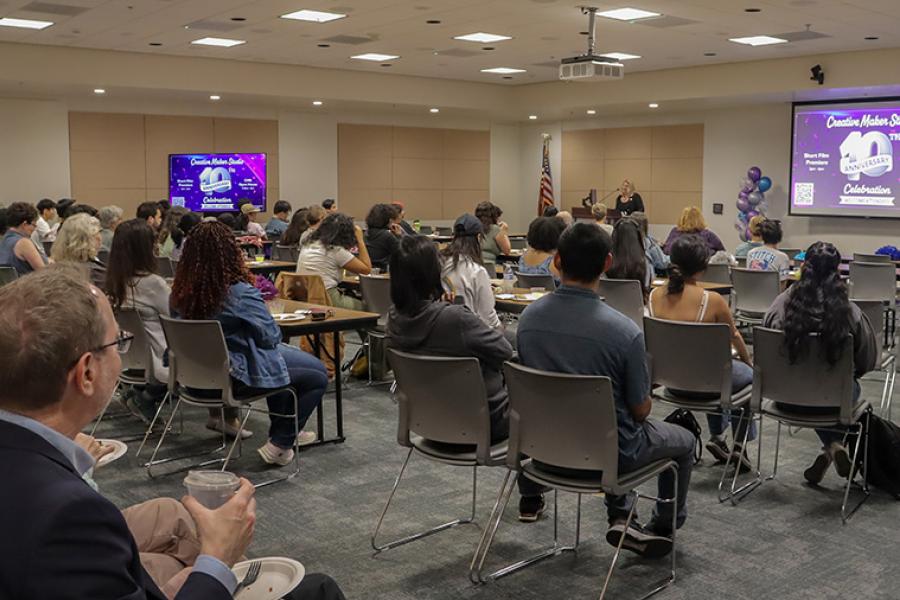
(212,489)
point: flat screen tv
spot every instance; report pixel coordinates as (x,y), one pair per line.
(842,158)
(216,182)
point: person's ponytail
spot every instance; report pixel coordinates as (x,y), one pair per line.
(676,280)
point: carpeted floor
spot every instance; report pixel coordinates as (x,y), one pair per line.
(785,541)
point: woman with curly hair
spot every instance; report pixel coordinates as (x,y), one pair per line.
(691,222)
(212,282)
(495,232)
(78,241)
(819,303)
(328,253)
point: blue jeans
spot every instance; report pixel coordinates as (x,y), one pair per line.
(741,377)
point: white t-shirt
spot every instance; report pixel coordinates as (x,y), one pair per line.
(472,282)
(763,258)
(327,262)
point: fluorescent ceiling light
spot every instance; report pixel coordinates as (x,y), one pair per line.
(620,55)
(221,42)
(314,16)
(99,91)
(25,23)
(758,40)
(317,103)
(482,38)
(215,97)
(591,111)
(503,70)
(376,57)
(532,117)
(627,14)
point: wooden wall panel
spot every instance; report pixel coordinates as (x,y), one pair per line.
(417,174)
(167,135)
(466,174)
(466,144)
(417,142)
(105,132)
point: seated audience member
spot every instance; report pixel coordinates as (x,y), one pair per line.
(132,282)
(404,224)
(496,240)
(164,206)
(46,225)
(328,253)
(228,220)
(655,254)
(382,234)
(298,224)
(598,211)
(62,208)
(150,212)
(330,205)
(78,241)
(3,226)
(629,257)
(87,209)
(566,217)
(314,218)
(543,236)
(819,303)
(60,341)
(550,211)
(278,224)
(684,300)
(691,222)
(755,238)
(181,233)
(602,341)
(17,250)
(165,239)
(768,257)
(250,213)
(212,282)
(463,273)
(109,217)
(421,322)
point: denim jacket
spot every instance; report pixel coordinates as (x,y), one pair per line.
(252,337)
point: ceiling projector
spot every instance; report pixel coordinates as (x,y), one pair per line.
(590,67)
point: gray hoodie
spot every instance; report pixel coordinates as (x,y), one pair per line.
(442,329)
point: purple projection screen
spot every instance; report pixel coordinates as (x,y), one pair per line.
(215,182)
(842,159)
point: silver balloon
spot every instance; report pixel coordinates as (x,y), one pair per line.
(755,198)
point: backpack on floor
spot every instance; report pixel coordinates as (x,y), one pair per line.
(884,456)
(684,418)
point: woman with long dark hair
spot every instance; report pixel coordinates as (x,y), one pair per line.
(212,282)
(298,224)
(166,239)
(819,303)
(463,273)
(684,300)
(182,231)
(629,259)
(327,254)
(495,232)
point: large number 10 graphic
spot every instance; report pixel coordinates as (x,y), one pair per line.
(215,179)
(870,154)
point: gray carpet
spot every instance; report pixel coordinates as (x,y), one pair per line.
(784,541)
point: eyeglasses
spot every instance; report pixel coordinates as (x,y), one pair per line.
(122,343)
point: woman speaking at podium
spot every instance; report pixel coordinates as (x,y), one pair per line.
(628,200)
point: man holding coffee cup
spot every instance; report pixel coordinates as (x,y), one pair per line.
(60,344)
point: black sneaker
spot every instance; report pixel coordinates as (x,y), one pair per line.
(744,463)
(640,540)
(815,472)
(719,449)
(531,508)
(142,406)
(842,463)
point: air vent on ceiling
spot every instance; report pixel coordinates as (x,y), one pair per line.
(550,64)
(459,53)
(666,21)
(205,24)
(52,8)
(348,39)
(800,36)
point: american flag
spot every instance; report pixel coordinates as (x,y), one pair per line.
(545,196)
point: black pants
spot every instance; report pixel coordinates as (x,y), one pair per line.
(316,586)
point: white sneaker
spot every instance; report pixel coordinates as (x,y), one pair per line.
(231,431)
(273,455)
(305,438)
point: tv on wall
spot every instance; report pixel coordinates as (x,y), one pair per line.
(216,182)
(842,159)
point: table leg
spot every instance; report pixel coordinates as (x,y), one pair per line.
(320,417)
(338,401)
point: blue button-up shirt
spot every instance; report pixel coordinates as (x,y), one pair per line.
(83,462)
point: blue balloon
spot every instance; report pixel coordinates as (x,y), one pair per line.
(765,184)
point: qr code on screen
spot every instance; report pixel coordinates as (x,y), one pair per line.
(804,194)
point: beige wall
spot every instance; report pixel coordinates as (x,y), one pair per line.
(122,159)
(436,173)
(665,163)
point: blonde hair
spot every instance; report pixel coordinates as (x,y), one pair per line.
(598,211)
(691,220)
(77,239)
(754,225)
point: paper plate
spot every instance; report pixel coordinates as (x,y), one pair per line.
(505,296)
(288,317)
(278,576)
(120,450)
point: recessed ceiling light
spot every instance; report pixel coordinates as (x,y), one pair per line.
(375,56)
(758,40)
(482,38)
(324,45)
(507,77)
(99,91)
(488,48)
(221,42)
(752,10)
(503,70)
(532,117)
(871,37)
(653,105)
(591,111)
(214,97)
(434,110)
(25,23)
(314,16)
(620,55)
(317,103)
(627,14)
(386,65)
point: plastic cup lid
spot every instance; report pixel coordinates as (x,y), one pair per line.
(212,479)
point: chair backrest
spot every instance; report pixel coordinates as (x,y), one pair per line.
(164,266)
(873,281)
(754,291)
(871,258)
(139,355)
(286,253)
(717,273)
(527,281)
(518,243)
(741,262)
(48,246)
(444,230)
(198,356)
(874,310)
(811,381)
(791,252)
(442,399)
(376,293)
(694,357)
(563,420)
(8,275)
(425,229)
(626,296)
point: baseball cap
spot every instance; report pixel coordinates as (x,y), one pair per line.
(249,208)
(467,224)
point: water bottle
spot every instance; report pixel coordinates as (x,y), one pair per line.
(509,278)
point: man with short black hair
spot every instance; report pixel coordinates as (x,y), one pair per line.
(278,224)
(330,205)
(573,331)
(768,257)
(150,212)
(43,230)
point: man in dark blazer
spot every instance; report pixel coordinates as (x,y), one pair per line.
(59,347)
